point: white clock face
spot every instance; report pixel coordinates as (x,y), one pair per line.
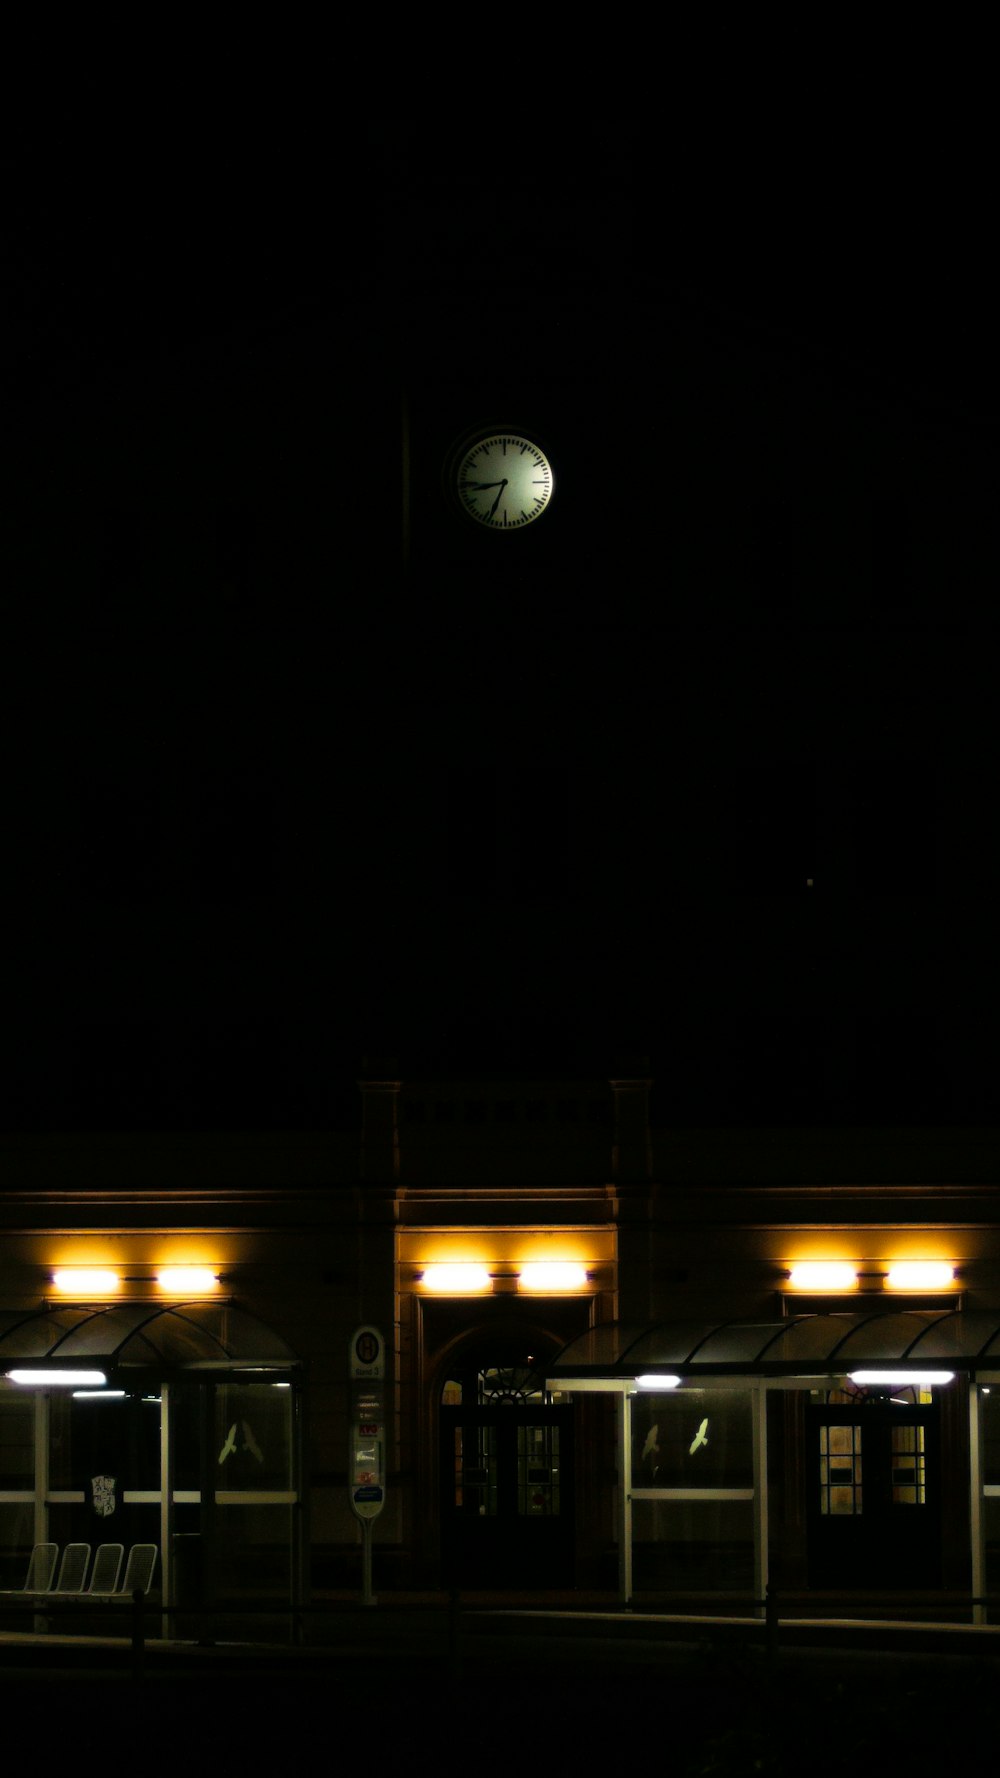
(504,482)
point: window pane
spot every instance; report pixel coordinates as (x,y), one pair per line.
(840,1470)
(476,1470)
(538,1471)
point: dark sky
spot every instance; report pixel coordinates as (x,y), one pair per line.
(274,803)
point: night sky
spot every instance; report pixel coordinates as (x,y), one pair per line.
(700,768)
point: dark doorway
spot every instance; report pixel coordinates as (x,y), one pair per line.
(506,1481)
(874,1493)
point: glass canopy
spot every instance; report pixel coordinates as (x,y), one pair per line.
(156,1336)
(798,1345)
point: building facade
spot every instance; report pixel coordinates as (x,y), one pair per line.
(656,1363)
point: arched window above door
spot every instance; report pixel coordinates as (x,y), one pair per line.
(494,1386)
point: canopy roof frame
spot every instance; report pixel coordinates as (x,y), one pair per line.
(167,1337)
(613,1354)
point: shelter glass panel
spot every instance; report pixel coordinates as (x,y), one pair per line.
(693,1546)
(253,1435)
(877,1339)
(600,1346)
(35,1336)
(17,1535)
(991,1528)
(990,1400)
(17,1439)
(186,1435)
(252,1553)
(670,1342)
(104,1436)
(741,1343)
(692,1438)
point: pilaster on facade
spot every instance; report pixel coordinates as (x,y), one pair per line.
(632,1148)
(380,1130)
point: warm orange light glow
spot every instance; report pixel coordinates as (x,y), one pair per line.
(510,1246)
(552,1275)
(460,1280)
(85,1281)
(186,1280)
(920,1274)
(824,1274)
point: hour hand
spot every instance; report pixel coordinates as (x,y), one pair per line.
(481,485)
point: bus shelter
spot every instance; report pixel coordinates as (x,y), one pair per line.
(177,1424)
(849,1451)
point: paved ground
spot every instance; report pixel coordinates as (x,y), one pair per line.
(490,1691)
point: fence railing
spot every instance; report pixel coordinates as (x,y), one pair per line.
(133,1622)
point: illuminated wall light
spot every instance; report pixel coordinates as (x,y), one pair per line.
(84,1281)
(823,1274)
(921,1379)
(187,1280)
(98,1395)
(920,1274)
(461,1280)
(42,1379)
(552,1275)
(649,1381)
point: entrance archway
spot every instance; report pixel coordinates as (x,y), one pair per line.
(506,1467)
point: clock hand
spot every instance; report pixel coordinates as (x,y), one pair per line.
(499,497)
(484,484)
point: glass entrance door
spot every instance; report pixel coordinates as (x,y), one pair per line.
(874,1500)
(506,1488)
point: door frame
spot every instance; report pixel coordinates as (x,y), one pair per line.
(876,1547)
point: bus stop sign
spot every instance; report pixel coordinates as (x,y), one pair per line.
(366,1456)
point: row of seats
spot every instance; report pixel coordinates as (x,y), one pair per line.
(105,1574)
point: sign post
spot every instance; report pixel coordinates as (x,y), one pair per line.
(366,1453)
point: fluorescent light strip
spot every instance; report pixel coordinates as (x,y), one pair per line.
(43,1379)
(920,1379)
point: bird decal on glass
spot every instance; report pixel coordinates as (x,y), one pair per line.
(700,1437)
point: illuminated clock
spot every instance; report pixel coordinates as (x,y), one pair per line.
(502,480)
